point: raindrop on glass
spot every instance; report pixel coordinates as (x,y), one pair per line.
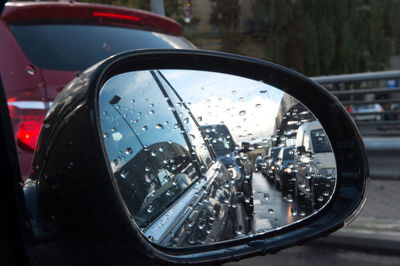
(128,151)
(124,174)
(266,196)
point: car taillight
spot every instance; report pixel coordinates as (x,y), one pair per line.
(28,132)
(27,123)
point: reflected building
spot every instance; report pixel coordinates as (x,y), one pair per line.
(291,114)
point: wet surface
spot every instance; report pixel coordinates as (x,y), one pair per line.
(271,209)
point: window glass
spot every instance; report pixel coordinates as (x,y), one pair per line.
(182,109)
(77,47)
(148,153)
(320,141)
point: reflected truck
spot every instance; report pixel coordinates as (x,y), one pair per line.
(315,164)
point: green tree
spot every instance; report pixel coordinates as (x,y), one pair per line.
(329,37)
(225,17)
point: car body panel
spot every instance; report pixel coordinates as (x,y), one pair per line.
(29,86)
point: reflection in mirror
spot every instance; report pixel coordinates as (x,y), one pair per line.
(202,157)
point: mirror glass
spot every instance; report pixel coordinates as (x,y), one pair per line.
(202,157)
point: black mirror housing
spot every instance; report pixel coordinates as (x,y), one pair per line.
(79,206)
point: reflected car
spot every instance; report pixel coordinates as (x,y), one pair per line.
(315,163)
(285,176)
(235,160)
(45,45)
(270,167)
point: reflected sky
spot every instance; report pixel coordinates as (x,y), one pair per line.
(246,106)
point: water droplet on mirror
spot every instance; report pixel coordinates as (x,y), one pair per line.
(124,174)
(106,135)
(115,162)
(258,105)
(326,193)
(293,211)
(241,99)
(128,151)
(270,211)
(153,153)
(151,112)
(144,128)
(199,118)
(148,178)
(244,156)
(242,113)
(192,136)
(186,120)
(320,198)
(202,226)
(234,92)
(288,198)
(150,208)
(159,126)
(266,196)
(114,129)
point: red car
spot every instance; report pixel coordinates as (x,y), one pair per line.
(45,45)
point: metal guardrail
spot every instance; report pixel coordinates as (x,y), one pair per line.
(369,88)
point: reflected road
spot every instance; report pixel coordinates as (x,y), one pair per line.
(271,210)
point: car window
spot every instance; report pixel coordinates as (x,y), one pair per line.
(76,47)
(152,139)
(288,154)
(320,141)
(274,153)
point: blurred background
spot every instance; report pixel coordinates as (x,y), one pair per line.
(352,48)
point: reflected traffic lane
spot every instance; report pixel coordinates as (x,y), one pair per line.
(272,208)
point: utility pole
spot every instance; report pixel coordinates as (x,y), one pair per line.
(157,6)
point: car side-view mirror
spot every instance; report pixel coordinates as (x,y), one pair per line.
(138,156)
